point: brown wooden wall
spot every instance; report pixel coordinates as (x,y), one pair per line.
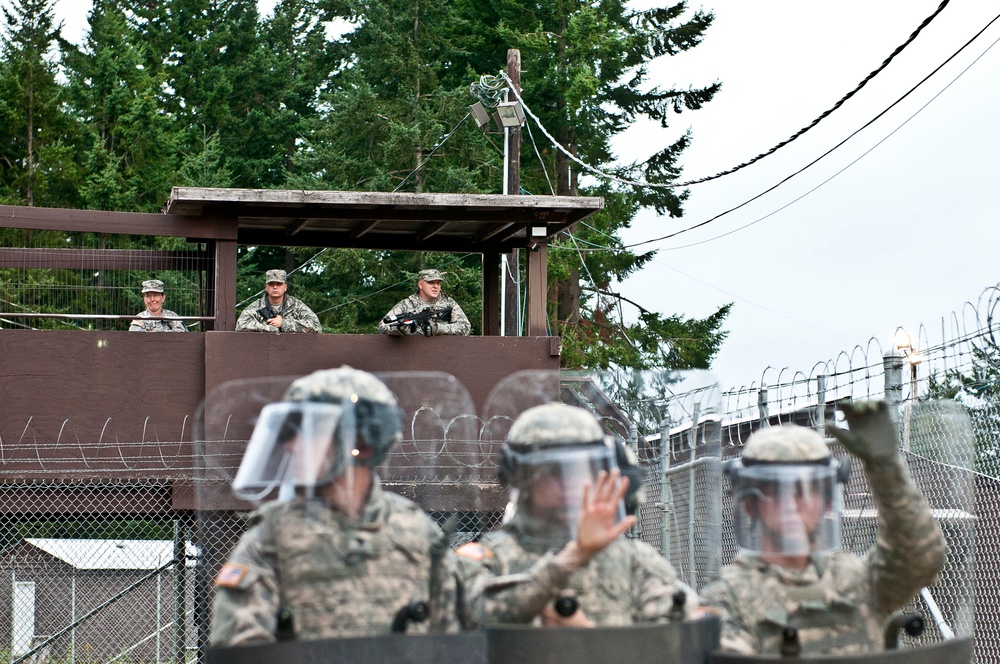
(89,406)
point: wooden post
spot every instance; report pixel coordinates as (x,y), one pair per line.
(537,282)
(491,293)
(225,285)
(512,187)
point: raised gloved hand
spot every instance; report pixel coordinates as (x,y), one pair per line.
(872,436)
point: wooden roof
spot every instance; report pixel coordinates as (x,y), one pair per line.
(378,220)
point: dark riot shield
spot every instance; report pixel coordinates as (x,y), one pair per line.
(689,642)
(954,651)
(466,648)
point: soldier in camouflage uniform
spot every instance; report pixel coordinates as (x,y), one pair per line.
(342,557)
(277,311)
(154,297)
(564,537)
(788,584)
(428,296)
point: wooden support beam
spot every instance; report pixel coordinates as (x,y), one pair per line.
(101,259)
(364,228)
(491,294)
(537,286)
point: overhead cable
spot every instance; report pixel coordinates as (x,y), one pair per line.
(825,154)
(652,185)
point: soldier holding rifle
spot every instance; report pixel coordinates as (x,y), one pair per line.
(428,311)
(277,311)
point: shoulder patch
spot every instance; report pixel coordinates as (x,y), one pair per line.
(231,574)
(474,551)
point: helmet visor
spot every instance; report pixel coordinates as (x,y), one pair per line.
(786,509)
(549,486)
(292,445)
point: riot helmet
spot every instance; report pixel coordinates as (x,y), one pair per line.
(787,493)
(552,452)
(326,423)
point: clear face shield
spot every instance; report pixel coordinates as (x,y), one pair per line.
(295,445)
(786,509)
(547,490)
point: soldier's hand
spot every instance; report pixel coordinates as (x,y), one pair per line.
(872,436)
(275,322)
(433,327)
(406,329)
(601,505)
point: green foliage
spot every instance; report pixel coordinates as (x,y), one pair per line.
(34,164)
(978,390)
(99,527)
(208,93)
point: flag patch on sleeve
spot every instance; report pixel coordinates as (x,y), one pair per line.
(231,574)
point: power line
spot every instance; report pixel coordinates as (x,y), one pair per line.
(838,145)
(822,116)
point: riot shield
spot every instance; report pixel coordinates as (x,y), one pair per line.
(954,651)
(674,643)
(688,642)
(465,648)
(671,421)
(437,462)
(937,443)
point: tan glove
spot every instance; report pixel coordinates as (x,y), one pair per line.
(872,437)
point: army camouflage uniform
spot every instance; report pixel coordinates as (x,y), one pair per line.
(338,578)
(839,603)
(458,325)
(625,584)
(156,325)
(295,317)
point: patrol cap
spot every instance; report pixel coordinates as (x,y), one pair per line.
(429,275)
(275,276)
(152,286)
(788,443)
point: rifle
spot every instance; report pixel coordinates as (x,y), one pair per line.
(420,317)
(266,312)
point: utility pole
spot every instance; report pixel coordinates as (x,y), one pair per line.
(511,262)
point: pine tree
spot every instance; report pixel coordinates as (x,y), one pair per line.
(586,77)
(36,157)
(130,146)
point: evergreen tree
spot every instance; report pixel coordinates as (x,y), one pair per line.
(977,388)
(36,156)
(130,146)
(586,70)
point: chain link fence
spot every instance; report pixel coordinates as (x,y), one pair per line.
(117,571)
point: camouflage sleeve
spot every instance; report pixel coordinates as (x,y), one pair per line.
(300,318)
(174,325)
(246,601)
(517,597)
(446,603)
(654,583)
(136,326)
(910,549)
(459,324)
(401,306)
(250,321)
(721,596)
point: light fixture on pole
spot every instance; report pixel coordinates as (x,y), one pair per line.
(509,114)
(480,116)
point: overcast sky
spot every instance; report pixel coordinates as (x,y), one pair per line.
(904,236)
